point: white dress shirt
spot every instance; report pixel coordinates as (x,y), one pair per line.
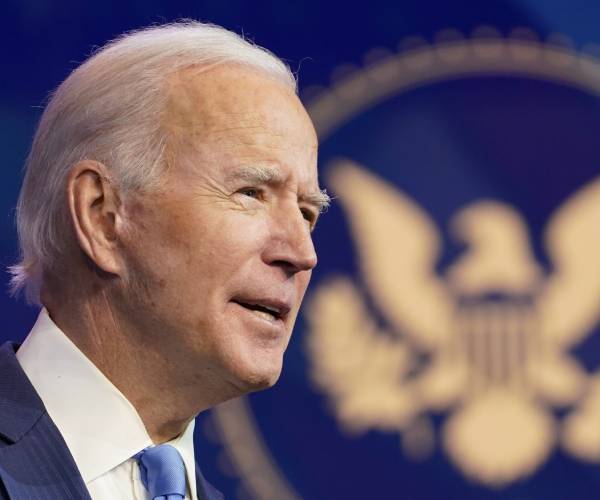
(100,426)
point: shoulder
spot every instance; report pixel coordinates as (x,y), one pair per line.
(20,405)
(33,454)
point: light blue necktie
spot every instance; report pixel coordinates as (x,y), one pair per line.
(162,472)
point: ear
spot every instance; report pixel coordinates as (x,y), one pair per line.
(94,209)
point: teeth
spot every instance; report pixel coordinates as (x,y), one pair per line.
(275,311)
(264,315)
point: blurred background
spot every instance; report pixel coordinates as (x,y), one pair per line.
(450,343)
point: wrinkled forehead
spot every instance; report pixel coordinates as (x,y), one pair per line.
(232,98)
(227,115)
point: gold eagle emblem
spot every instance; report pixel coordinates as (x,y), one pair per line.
(488,342)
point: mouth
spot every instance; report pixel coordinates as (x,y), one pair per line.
(267,309)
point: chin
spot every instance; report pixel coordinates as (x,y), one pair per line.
(257,378)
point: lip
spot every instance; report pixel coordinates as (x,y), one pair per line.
(277,307)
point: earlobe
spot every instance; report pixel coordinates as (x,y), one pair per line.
(94,208)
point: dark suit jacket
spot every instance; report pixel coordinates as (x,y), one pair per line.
(35,463)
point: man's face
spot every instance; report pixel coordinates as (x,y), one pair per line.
(219,259)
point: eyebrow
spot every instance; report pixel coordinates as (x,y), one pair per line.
(320,199)
(268,175)
(257,174)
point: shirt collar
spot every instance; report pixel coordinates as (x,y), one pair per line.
(100,426)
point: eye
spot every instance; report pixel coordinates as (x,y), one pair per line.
(308,215)
(251,192)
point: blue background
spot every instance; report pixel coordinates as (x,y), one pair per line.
(43,41)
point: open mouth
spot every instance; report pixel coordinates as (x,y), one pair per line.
(269,311)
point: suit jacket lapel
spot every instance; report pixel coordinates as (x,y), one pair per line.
(34,459)
(35,462)
(206,491)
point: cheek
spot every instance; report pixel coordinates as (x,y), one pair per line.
(235,234)
(203,255)
(161,236)
(196,249)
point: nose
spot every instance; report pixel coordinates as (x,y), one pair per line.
(291,246)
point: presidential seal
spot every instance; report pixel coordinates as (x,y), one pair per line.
(452,330)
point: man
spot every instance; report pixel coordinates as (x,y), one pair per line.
(165,226)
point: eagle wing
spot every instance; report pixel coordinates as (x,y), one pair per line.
(360,367)
(569,304)
(398,246)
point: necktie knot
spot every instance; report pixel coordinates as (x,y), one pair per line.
(162,471)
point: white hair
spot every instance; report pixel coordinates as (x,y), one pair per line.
(109,110)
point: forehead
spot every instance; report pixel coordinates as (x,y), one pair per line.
(232,98)
(229,114)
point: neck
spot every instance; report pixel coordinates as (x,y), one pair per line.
(141,371)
